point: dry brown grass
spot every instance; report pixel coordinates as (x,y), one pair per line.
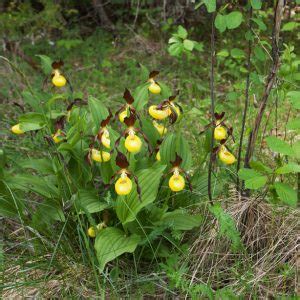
(266,267)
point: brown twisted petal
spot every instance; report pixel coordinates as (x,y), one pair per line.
(121,160)
(57,64)
(153,74)
(128,97)
(177,162)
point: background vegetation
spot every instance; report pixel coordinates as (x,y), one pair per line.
(235,234)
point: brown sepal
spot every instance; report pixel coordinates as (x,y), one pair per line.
(106,121)
(60,123)
(220,116)
(216,149)
(173,116)
(121,160)
(129,121)
(177,162)
(128,97)
(159,142)
(78,102)
(173,97)
(57,64)
(153,74)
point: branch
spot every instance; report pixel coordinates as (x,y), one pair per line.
(269,82)
(212,111)
(246,99)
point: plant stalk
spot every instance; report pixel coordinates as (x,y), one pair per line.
(246,100)
(212,107)
(269,82)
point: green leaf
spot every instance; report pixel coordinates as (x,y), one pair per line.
(277,145)
(173,143)
(46,63)
(174,39)
(210,5)
(259,53)
(47,212)
(198,46)
(293,124)
(286,193)
(259,22)
(180,220)
(256,183)
(290,26)
(260,167)
(54,98)
(296,149)
(144,72)
(69,43)
(141,96)
(165,90)
(182,32)
(31,100)
(253,179)
(234,19)
(176,49)
(288,168)
(245,174)
(220,22)
(129,206)
(188,45)
(41,165)
(223,53)
(98,110)
(89,201)
(256,4)
(111,243)
(294,98)
(39,185)
(32,121)
(237,53)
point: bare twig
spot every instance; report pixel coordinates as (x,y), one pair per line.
(269,82)
(246,99)
(136,13)
(212,111)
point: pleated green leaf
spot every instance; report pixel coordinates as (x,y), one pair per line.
(89,201)
(127,207)
(180,220)
(98,110)
(111,243)
(173,143)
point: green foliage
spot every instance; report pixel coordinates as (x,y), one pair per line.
(253,179)
(279,146)
(98,110)
(286,193)
(210,5)
(230,21)
(129,206)
(179,44)
(256,4)
(227,226)
(111,243)
(180,220)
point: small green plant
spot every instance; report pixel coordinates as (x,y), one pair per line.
(262,176)
(180,44)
